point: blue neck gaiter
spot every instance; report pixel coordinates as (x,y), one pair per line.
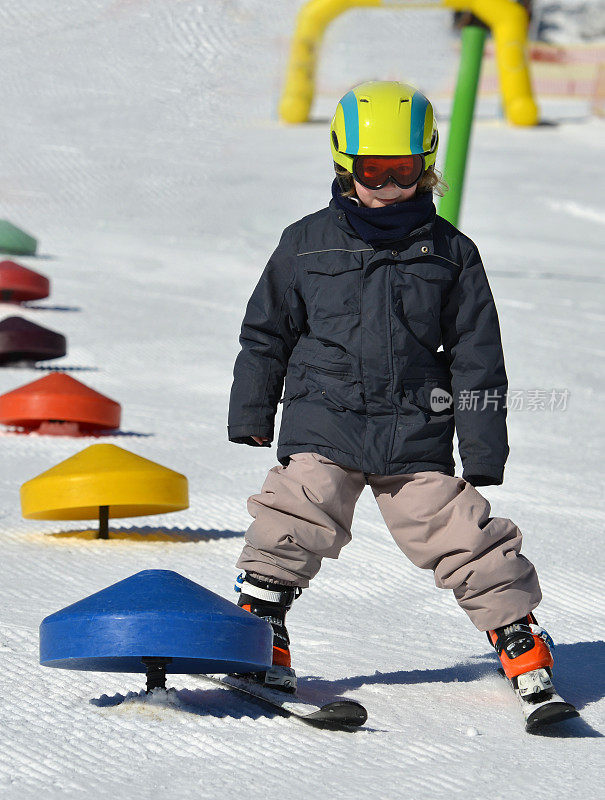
(391,223)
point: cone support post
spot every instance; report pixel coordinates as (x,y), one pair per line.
(156,672)
(473,40)
(103,522)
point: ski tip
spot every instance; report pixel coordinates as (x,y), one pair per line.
(550,714)
(338,714)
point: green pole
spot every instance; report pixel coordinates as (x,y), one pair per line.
(471,55)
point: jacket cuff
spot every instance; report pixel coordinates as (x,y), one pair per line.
(242,434)
(495,472)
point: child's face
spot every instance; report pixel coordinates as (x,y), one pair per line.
(389,194)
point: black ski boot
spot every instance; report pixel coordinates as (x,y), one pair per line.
(271,601)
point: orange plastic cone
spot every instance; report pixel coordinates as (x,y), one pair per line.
(59,398)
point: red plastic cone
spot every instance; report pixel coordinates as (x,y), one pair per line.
(18,284)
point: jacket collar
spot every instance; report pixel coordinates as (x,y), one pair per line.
(419,243)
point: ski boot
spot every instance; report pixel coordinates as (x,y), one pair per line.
(271,601)
(524,651)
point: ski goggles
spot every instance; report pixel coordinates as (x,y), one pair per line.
(374,172)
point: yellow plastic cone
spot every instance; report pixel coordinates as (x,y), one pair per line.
(107,477)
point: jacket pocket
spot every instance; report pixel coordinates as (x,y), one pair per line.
(288,398)
(334,289)
(341,391)
(419,293)
(330,370)
(428,271)
(432,394)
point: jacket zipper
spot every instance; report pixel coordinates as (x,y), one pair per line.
(361,374)
(325,369)
(396,416)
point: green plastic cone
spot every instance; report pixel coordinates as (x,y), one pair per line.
(15,241)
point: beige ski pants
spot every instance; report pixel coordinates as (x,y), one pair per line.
(305,510)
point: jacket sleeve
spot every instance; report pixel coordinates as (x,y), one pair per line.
(473,346)
(274,319)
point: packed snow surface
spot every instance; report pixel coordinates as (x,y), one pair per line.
(140,144)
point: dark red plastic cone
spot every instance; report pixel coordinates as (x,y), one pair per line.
(22,340)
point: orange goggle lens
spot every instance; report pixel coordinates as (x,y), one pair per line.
(374,172)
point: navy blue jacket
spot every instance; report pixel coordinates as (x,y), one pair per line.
(372,344)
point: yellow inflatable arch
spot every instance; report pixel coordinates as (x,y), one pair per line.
(507,19)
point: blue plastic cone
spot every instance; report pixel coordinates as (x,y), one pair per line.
(156,614)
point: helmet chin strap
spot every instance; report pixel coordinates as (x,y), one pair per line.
(342,183)
(341,180)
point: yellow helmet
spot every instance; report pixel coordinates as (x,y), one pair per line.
(383,118)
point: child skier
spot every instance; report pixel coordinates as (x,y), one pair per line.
(351,310)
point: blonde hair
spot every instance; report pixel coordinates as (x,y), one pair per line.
(430,181)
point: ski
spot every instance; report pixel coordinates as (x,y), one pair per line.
(540,703)
(304,704)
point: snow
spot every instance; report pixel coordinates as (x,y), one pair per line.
(140,144)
